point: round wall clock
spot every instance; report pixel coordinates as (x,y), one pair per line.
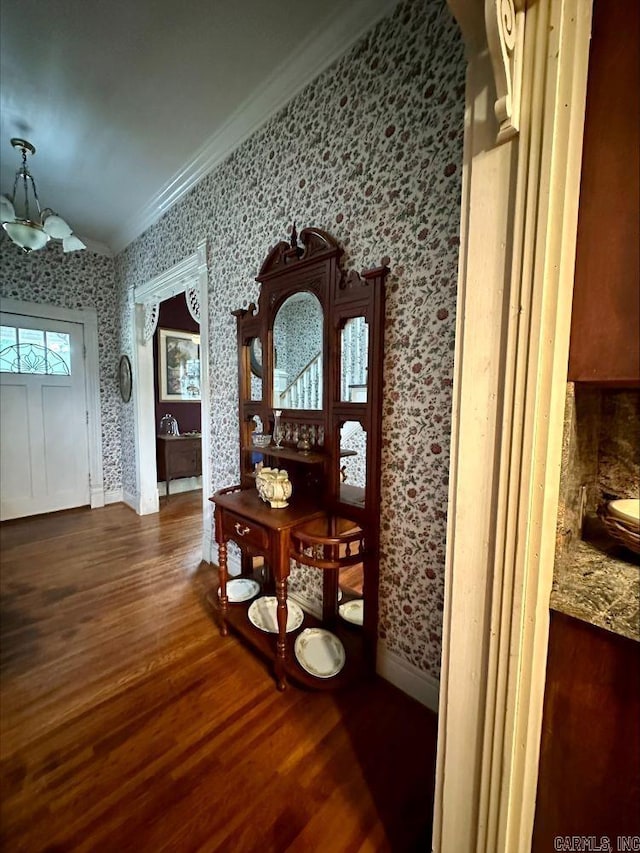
(124,378)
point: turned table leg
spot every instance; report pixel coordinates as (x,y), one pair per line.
(281,655)
(224,600)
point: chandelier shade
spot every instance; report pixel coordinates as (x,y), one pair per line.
(30,228)
(26,234)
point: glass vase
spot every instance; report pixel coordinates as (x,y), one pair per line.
(277,429)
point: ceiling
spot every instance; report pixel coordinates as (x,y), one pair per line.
(130,103)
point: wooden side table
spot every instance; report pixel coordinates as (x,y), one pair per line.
(178,456)
(242,517)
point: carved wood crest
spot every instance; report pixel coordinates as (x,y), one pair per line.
(314,242)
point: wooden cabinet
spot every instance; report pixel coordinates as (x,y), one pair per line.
(589,777)
(606,301)
(178,456)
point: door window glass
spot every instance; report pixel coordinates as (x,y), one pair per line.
(34,351)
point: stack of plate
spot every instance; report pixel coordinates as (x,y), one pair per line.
(622,520)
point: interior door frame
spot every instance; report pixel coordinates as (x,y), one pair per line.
(88,319)
(188,274)
(527,68)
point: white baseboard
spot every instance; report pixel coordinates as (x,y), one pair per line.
(96,497)
(114,497)
(408,678)
(184,484)
(130,500)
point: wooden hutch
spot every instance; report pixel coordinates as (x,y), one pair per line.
(330,523)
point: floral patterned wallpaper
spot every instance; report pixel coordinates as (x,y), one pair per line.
(371,151)
(75,280)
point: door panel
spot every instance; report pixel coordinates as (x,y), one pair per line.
(14,452)
(58,439)
(44,459)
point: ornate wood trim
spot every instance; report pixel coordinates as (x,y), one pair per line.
(315,243)
(151,314)
(192,298)
(505,22)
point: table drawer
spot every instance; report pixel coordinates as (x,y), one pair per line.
(241,530)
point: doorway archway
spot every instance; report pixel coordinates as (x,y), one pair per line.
(189,276)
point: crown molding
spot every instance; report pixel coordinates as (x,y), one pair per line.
(97,248)
(312,56)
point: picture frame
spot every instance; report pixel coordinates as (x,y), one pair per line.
(178,366)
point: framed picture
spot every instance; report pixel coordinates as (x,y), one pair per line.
(178,366)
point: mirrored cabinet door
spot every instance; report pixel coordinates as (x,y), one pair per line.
(354,359)
(353,463)
(255,362)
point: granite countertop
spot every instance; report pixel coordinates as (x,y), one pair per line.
(600,583)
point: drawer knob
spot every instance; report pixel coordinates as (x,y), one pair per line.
(241,530)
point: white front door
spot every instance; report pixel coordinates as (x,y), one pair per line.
(44,458)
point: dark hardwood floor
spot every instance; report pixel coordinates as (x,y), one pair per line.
(128,723)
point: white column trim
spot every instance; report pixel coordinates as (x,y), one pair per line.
(146,500)
(201,285)
(89,319)
(518,233)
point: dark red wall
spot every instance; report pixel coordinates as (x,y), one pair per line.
(174,314)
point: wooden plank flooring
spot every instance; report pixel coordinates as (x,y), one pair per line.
(128,723)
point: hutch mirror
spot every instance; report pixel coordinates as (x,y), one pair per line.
(298,337)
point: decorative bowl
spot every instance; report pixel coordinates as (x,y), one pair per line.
(260,439)
(274,487)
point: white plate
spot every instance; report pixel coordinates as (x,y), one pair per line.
(241,589)
(627,510)
(319,652)
(352,611)
(263,614)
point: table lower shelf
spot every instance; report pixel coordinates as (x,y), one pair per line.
(359,664)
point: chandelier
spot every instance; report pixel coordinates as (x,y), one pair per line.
(33,228)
